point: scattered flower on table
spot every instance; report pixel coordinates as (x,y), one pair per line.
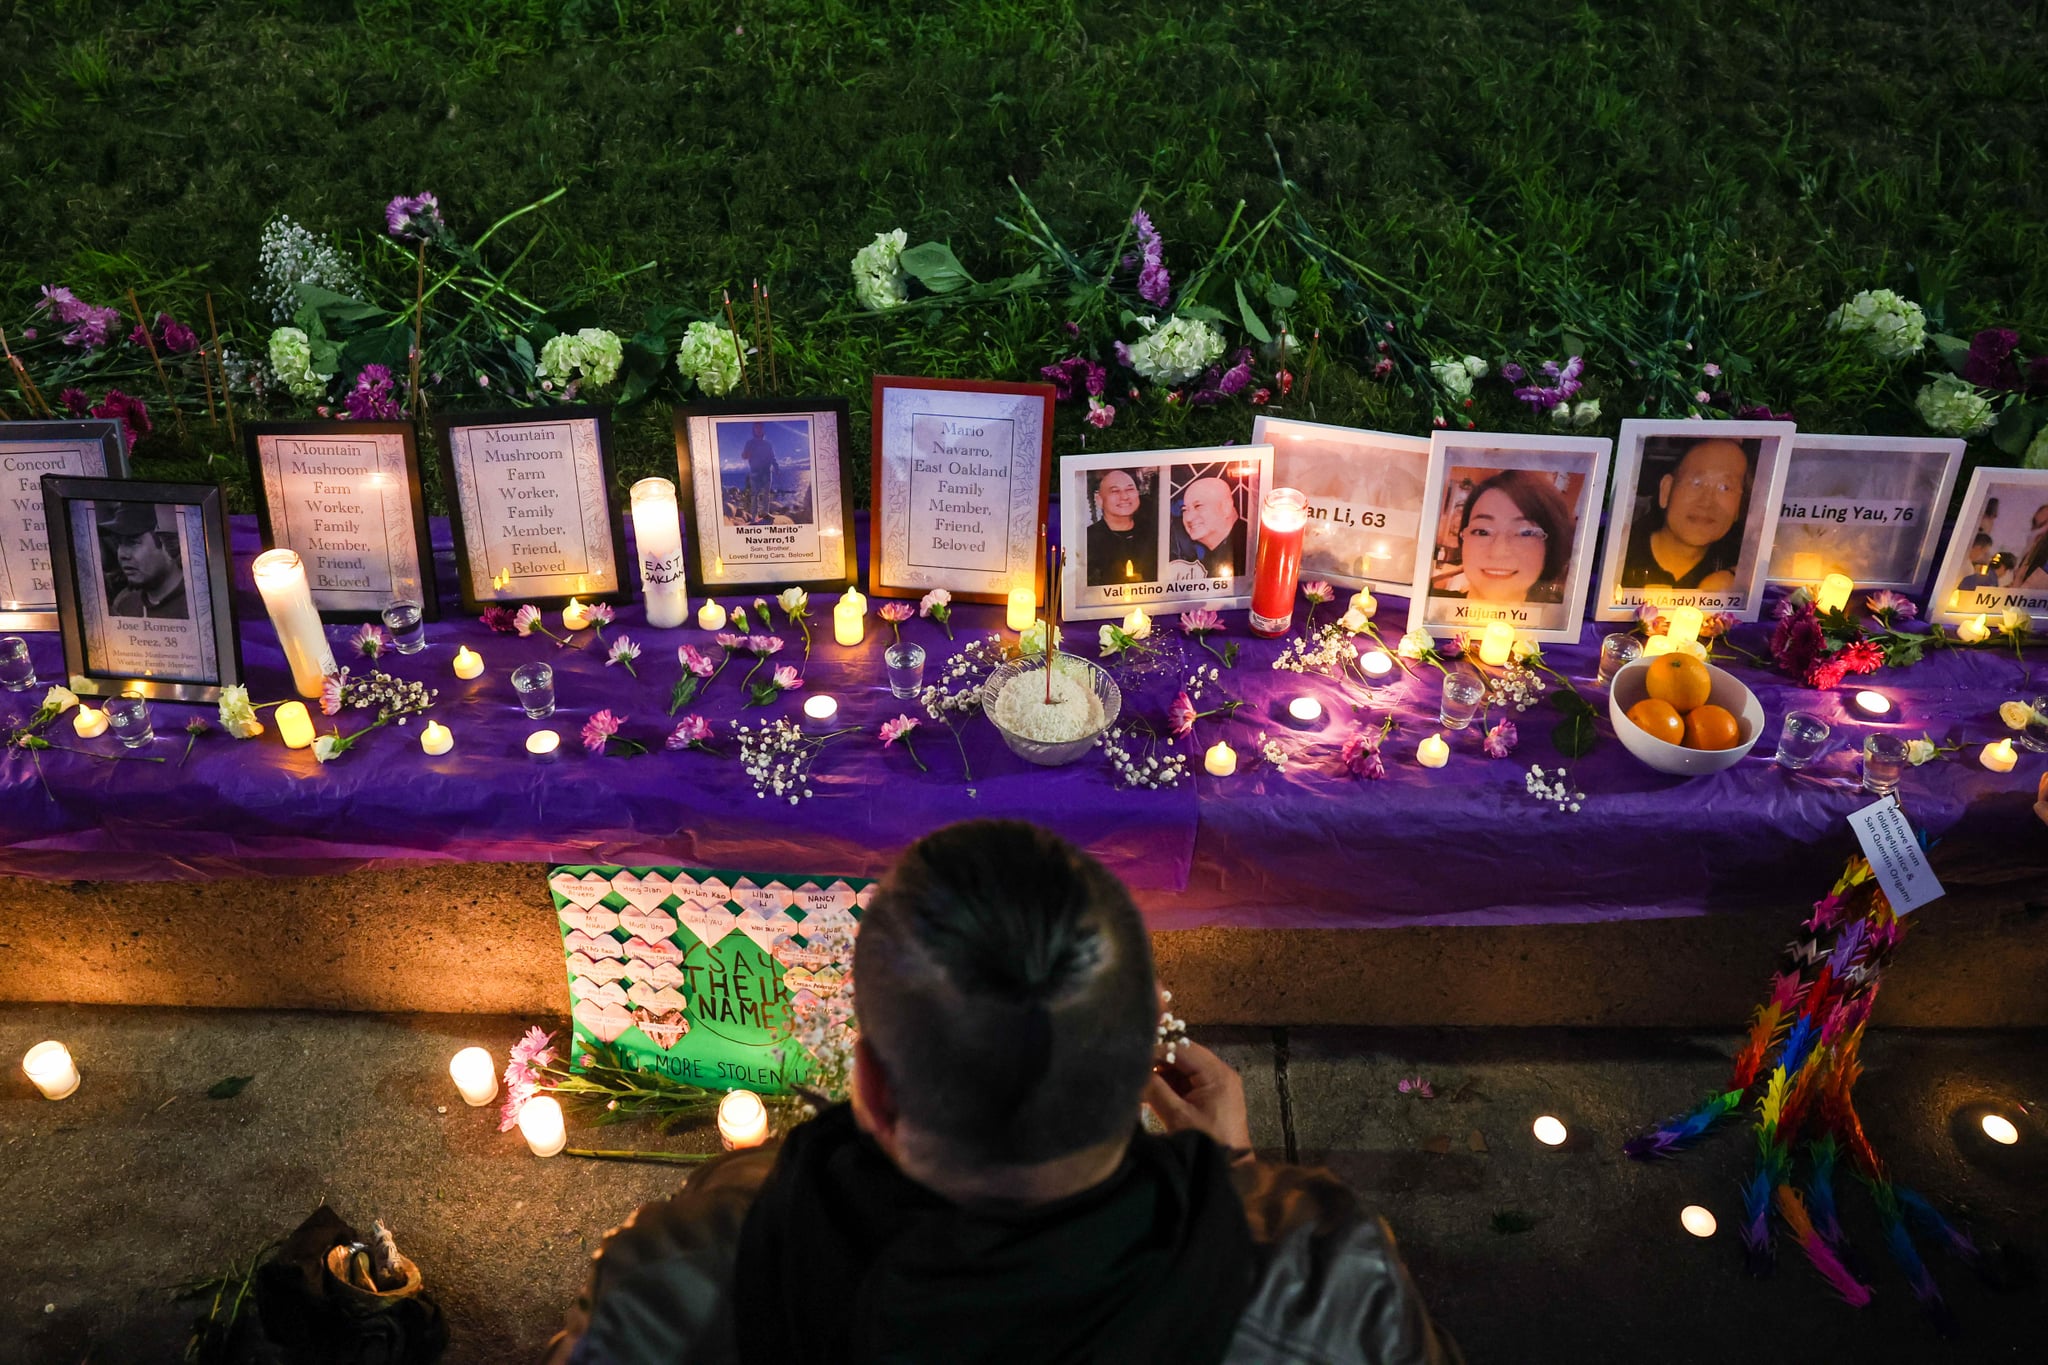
(1501,739)
(780,680)
(332,689)
(691,732)
(1920,751)
(938,604)
(896,613)
(194,729)
(2017,715)
(600,615)
(2013,621)
(787,679)
(237,716)
(900,728)
(1180,716)
(1453,646)
(1416,644)
(1416,1086)
(501,620)
(795,602)
(327,748)
(601,732)
(623,651)
(1557,790)
(739,620)
(1203,623)
(58,699)
(730,642)
(1135,757)
(777,757)
(1327,649)
(370,641)
(1361,754)
(1889,606)
(695,661)
(879,279)
(1272,751)
(764,645)
(1893,328)
(526,619)
(1318,592)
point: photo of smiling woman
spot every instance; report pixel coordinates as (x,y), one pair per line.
(1695,506)
(1514,519)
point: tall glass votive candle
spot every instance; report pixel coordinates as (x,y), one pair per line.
(658,532)
(407,623)
(281,579)
(17,670)
(1283,520)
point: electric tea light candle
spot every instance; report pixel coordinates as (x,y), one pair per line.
(1433,752)
(281,580)
(1376,664)
(742,1120)
(475,1075)
(711,616)
(819,712)
(1697,1221)
(436,739)
(50,1066)
(575,616)
(849,619)
(658,534)
(1997,1127)
(1873,704)
(1283,519)
(1999,757)
(1497,645)
(468,663)
(1137,625)
(1549,1131)
(89,723)
(294,725)
(1305,710)
(540,1123)
(1022,609)
(1221,760)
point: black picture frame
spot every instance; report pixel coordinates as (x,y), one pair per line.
(333,604)
(689,469)
(26,612)
(445,428)
(91,675)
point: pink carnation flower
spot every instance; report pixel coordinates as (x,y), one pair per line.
(690,732)
(1180,717)
(330,692)
(600,728)
(1199,622)
(695,660)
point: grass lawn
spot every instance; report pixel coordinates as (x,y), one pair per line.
(1521,180)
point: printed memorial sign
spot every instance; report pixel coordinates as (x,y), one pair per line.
(345,496)
(28,451)
(532,506)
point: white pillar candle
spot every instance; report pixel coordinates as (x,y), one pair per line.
(1305,710)
(658,532)
(1684,626)
(294,725)
(436,739)
(475,1075)
(1376,664)
(1999,757)
(50,1066)
(468,663)
(819,712)
(742,1120)
(543,745)
(1497,645)
(575,616)
(1433,752)
(1549,1131)
(849,618)
(1221,760)
(710,616)
(1833,594)
(1697,1221)
(89,723)
(1137,625)
(1022,609)
(540,1123)
(281,579)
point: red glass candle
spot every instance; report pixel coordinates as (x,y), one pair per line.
(1283,518)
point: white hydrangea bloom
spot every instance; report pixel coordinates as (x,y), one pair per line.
(2037,451)
(1455,378)
(593,350)
(1176,350)
(1955,408)
(1576,416)
(879,281)
(291,355)
(710,358)
(1892,327)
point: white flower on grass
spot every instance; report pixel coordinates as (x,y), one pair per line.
(879,281)
(291,355)
(1456,376)
(1892,327)
(2037,451)
(709,358)
(593,350)
(1176,350)
(1576,416)
(290,256)
(1955,408)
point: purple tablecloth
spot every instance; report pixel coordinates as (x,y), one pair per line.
(1307,846)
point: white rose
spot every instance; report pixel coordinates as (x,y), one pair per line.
(1919,751)
(1415,644)
(2017,715)
(63,698)
(323,747)
(2013,620)
(793,599)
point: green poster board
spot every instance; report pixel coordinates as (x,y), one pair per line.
(694,972)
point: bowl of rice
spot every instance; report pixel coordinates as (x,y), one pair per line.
(1085,702)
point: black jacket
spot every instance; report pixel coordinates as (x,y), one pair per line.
(1331,1289)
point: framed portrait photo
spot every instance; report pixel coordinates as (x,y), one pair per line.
(89,449)
(143,587)
(767,496)
(1997,558)
(1161,529)
(1364,498)
(1512,523)
(531,505)
(345,497)
(962,473)
(1870,507)
(1691,521)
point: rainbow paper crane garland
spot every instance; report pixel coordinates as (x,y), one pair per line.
(1800,1065)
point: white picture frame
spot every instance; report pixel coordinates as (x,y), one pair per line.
(1364,492)
(1184,573)
(1870,507)
(1544,601)
(2009,507)
(1727,575)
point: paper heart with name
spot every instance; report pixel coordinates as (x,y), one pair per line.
(712,891)
(764,930)
(603,1020)
(865,897)
(814,986)
(588,968)
(665,1029)
(649,998)
(582,892)
(814,900)
(790,953)
(765,901)
(657,974)
(834,924)
(644,892)
(590,945)
(591,919)
(648,955)
(709,923)
(647,924)
(600,991)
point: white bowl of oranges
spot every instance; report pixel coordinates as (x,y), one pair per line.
(1682,716)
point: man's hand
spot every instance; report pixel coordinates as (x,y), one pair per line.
(1200,1091)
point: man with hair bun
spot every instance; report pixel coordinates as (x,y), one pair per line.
(988,1194)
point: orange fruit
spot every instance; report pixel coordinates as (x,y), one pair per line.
(1711,727)
(1679,679)
(1658,719)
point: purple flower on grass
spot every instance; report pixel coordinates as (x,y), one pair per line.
(1500,740)
(1075,377)
(74,400)
(373,399)
(415,216)
(1416,1086)
(1155,286)
(1123,358)
(1990,364)
(132,413)
(1100,414)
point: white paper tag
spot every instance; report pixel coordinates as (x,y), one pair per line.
(1895,856)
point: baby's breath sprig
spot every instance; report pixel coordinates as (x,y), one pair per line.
(777,756)
(1143,758)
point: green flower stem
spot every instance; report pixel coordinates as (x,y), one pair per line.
(657,1158)
(110,758)
(905,742)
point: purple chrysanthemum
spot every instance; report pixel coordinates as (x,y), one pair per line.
(417,216)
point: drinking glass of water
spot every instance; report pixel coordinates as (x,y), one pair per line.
(408,625)
(1462,695)
(17,670)
(1804,738)
(128,714)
